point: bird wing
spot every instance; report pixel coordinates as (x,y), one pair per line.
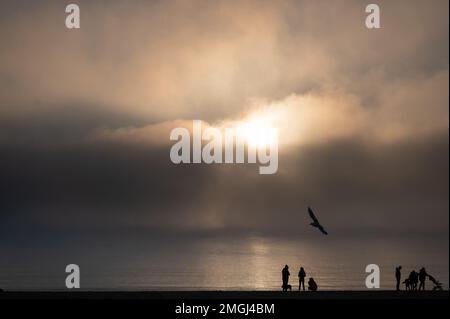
(323,230)
(311,214)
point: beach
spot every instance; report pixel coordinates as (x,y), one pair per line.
(229,295)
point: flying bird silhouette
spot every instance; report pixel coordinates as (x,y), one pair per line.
(315,222)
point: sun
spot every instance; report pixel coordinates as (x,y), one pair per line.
(258,131)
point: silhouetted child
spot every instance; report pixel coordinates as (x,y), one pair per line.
(398,276)
(285,277)
(301,279)
(312,284)
(422,278)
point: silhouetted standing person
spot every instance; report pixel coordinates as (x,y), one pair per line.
(413,280)
(312,284)
(285,277)
(416,279)
(301,279)
(398,276)
(422,277)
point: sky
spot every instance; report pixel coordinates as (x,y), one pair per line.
(85,118)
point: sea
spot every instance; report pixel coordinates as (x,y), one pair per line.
(220,263)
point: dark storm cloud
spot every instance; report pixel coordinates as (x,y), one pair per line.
(107,185)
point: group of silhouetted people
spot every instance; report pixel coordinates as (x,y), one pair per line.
(416,280)
(312,285)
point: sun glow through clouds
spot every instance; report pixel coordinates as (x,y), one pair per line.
(258,130)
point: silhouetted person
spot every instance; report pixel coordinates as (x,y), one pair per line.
(398,276)
(312,284)
(285,277)
(437,284)
(301,279)
(422,277)
(413,280)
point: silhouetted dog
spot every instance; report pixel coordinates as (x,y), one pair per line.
(407,284)
(287,287)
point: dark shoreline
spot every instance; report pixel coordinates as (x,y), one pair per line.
(211,295)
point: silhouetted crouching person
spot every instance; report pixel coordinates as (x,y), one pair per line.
(301,279)
(398,276)
(422,278)
(285,277)
(437,284)
(312,284)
